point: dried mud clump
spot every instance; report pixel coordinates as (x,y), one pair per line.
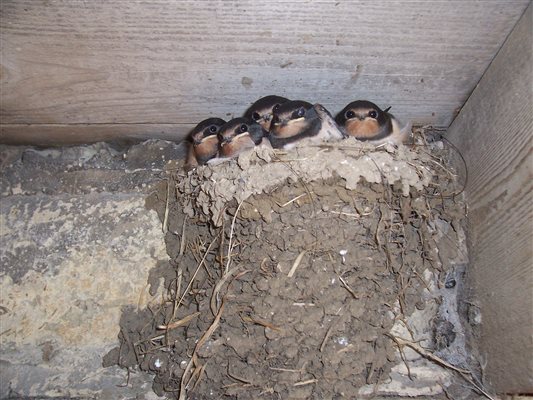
(289,271)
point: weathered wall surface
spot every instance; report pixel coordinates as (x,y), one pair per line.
(494,133)
(73,254)
(82,71)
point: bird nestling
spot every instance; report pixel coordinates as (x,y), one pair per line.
(261,111)
(365,121)
(297,122)
(238,135)
(203,142)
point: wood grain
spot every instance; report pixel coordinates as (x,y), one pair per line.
(494,131)
(75,134)
(177,62)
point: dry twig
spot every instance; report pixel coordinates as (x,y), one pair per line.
(296,263)
(207,334)
(165,219)
(292,200)
(181,322)
(231,236)
(347,287)
(218,286)
(261,322)
(195,273)
(466,374)
(307,382)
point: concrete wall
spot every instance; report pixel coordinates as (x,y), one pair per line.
(77,245)
(494,133)
(82,71)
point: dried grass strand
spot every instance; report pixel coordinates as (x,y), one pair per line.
(181,322)
(466,374)
(165,219)
(296,263)
(231,237)
(207,334)
(195,273)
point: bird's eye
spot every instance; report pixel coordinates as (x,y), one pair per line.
(213,129)
(373,114)
(349,114)
(256,116)
(276,107)
(298,113)
(243,128)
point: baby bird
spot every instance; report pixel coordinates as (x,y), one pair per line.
(261,111)
(238,135)
(365,121)
(299,121)
(203,142)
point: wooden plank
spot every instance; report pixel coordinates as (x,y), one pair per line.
(494,132)
(177,62)
(75,134)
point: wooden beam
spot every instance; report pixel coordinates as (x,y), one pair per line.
(74,134)
(178,62)
(494,132)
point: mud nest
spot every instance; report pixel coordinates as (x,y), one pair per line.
(289,271)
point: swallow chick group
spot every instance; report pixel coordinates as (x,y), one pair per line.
(283,124)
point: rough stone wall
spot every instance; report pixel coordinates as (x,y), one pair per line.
(77,245)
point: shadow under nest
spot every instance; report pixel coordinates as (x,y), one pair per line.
(292,292)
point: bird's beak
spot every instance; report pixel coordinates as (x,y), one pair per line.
(291,121)
(241,135)
(225,141)
(204,139)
